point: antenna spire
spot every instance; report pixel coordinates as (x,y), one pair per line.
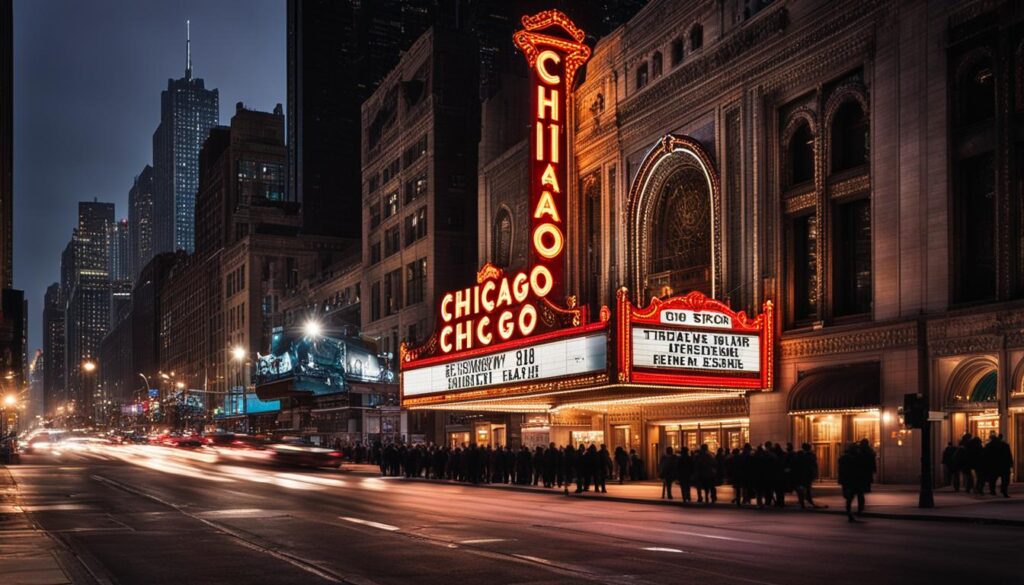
(188,49)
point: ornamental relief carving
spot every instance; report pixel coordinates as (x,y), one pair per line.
(704,408)
(856,341)
(965,345)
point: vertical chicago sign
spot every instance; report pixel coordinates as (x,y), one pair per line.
(519,332)
(554,49)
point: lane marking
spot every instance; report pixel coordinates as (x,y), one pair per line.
(298,562)
(482,540)
(370,523)
(662,549)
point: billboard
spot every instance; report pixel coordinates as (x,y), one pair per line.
(320,364)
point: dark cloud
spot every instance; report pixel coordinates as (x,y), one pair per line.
(88,77)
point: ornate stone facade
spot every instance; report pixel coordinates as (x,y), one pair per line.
(820,73)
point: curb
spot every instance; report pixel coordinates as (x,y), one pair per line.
(719,507)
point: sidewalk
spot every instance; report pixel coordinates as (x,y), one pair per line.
(27,555)
(884,501)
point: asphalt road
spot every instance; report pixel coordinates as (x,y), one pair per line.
(150,515)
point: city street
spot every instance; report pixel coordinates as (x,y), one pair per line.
(147,514)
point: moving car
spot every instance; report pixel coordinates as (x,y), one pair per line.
(303,455)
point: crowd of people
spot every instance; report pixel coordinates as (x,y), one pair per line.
(561,467)
(973,465)
(761,476)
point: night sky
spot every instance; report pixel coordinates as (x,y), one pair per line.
(87,83)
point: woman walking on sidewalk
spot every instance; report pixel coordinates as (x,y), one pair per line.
(852,479)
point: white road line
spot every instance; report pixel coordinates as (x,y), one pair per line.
(662,549)
(370,523)
(482,540)
(713,536)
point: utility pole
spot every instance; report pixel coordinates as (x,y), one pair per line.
(926,498)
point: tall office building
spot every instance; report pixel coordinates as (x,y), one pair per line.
(86,279)
(140,221)
(53,349)
(187,112)
(119,269)
(6,143)
(323,117)
(118,248)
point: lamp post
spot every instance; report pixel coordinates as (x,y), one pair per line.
(89,368)
(10,402)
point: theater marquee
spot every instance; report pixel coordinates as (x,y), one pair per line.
(694,341)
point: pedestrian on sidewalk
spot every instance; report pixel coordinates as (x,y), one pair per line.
(604,468)
(636,467)
(568,467)
(684,472)
(948,469)
(999,462)
(869,463)
(667,471)
(962,465)
(805,471)
(705,474)
(976,459)
(621,463)
(852,478)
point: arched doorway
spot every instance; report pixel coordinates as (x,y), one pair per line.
(674,227)
(972,398)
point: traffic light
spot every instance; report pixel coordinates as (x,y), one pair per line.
(915,411)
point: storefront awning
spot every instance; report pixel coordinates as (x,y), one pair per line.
(837,388)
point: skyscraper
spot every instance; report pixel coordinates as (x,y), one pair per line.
(53,348)
(323,117)
(6,143)
(118,267)
(187,112)
(86,279)
(140,221)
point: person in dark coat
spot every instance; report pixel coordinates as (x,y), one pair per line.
(948,469)
(621,464)
(763,469)
(524,466)
(568,467)
(704,474)
(870,462)
(684,472)
(999,461)
(667,471)
(583,470)
(976,459)
(805,471)
(551,456)
(603,469)
(538,465)
(852,478)
(636,466)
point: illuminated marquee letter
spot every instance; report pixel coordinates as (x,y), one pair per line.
(555,50)
(542,67)
(547,249)
(446,342)
(446,314)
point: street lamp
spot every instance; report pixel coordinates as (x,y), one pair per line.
(10,400)
(238,353)
(312,328)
